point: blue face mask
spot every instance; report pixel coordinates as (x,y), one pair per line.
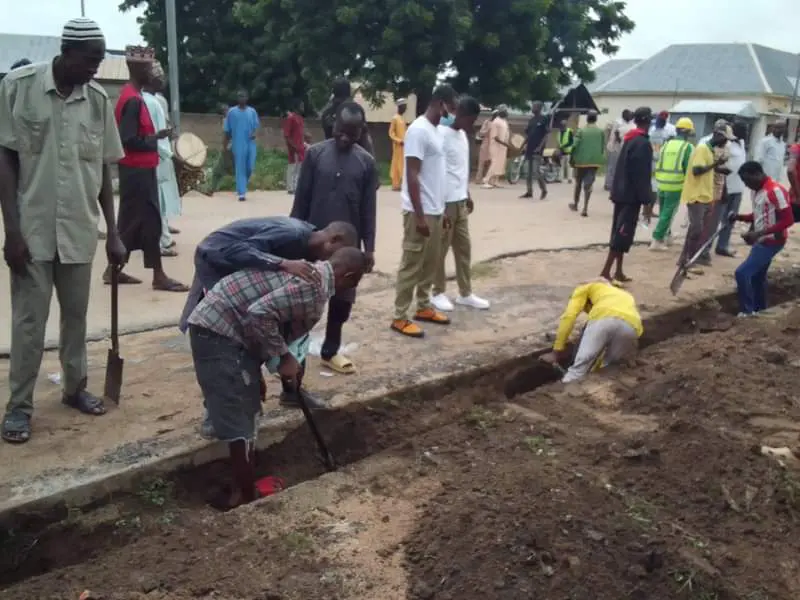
(447,120)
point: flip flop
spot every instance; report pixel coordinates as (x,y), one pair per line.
(124,279)
(169,252)
(171,286)
(340,364)
(267,486)
(16,428)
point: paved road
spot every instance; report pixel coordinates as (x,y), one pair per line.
(502,223)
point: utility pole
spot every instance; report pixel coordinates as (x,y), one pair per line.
(83,8)
(172,66)
(796,85)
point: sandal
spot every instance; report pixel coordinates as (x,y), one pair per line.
(174,231)
(340,364)
(122,279)
(86,403)
(170,285)
(16,428)
(169,252)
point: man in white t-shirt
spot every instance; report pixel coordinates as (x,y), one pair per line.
(423,194)
(458,207)
(734,188)
(771,152)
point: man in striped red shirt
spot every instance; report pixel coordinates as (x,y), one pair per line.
(771,218)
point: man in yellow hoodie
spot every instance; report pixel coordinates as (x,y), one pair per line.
(611,335)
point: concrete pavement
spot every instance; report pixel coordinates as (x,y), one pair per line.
(502,224)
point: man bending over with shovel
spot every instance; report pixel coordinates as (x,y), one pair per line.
(269,244)
(610,336)
(249,318)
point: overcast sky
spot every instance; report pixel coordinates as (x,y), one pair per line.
(658,24)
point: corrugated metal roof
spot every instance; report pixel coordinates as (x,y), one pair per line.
(611,69)
(707,68)
(740,108)
(43,48)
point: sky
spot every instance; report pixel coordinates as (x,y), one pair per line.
(658,24)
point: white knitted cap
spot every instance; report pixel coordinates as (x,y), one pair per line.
(81,30)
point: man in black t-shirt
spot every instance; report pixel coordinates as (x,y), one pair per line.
(535,140)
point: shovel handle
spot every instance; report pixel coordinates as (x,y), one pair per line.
(327,457)
(115,309)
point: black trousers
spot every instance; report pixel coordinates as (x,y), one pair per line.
(139,218)
(338,314)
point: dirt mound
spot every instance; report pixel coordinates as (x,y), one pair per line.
(645,483)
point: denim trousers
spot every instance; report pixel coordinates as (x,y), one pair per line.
(751,278)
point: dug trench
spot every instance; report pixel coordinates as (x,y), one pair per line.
(639,483)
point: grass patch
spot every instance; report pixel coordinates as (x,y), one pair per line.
(481,418)
(156,491)
(297,542)
(270,171)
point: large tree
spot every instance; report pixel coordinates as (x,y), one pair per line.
(219,55)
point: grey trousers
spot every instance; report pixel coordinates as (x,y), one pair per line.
(611,167)
(292,173)
(700,216)
(612,338)
(30,308)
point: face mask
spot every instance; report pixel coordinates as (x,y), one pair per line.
(447,120)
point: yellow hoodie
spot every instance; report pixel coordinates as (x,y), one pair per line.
(606,301)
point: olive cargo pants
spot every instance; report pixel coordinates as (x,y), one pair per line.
(418,264)
(30,308)
(457,236)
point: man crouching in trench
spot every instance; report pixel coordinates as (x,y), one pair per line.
(250,318)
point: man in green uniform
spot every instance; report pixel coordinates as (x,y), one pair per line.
(670,175)
(57,138)
(587,156)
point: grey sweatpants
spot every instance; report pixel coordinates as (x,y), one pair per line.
(613,338)
(292,173)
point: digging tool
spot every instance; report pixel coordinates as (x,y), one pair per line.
(683,270)
(114,364)
(327,457)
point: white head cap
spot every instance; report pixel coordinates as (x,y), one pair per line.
(82,30)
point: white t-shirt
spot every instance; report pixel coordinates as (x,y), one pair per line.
(425,142)
(738,156)
(456,155)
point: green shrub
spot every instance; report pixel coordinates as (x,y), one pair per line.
(270,171)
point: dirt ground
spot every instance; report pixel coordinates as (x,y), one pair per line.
(648,481)
(161,404)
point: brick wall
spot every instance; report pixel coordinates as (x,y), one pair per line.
(209,129)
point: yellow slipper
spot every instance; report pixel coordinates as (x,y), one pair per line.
(340,364)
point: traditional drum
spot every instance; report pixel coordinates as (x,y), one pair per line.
(190,158)
(516,141)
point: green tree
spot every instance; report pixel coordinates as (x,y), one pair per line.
(219,55)
(518,50)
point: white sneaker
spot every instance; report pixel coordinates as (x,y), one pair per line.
(442,302)
(669,240)
(657,246)
(473,301)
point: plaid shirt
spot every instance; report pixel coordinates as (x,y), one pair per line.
(265,310)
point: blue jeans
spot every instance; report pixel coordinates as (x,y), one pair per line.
(751,278)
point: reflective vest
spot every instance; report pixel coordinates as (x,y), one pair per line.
(567,141)
(669,169)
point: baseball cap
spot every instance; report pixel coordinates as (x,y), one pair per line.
(663,114)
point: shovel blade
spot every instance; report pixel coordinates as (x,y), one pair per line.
(677,280)
(113,386)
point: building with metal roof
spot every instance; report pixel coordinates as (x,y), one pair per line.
(706,81)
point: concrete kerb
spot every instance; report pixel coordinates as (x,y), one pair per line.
(86,486)
(160,324)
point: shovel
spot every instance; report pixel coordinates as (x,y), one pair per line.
(113,386)
(531,377)
(327,457)
(683,270)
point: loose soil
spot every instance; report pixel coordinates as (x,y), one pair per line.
(645,482)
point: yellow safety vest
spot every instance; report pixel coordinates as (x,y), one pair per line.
(669,169)
(565,143)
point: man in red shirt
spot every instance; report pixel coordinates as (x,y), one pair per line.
(793,172)
(771,218)
(294,134)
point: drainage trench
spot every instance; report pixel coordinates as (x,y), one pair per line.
(32,544)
